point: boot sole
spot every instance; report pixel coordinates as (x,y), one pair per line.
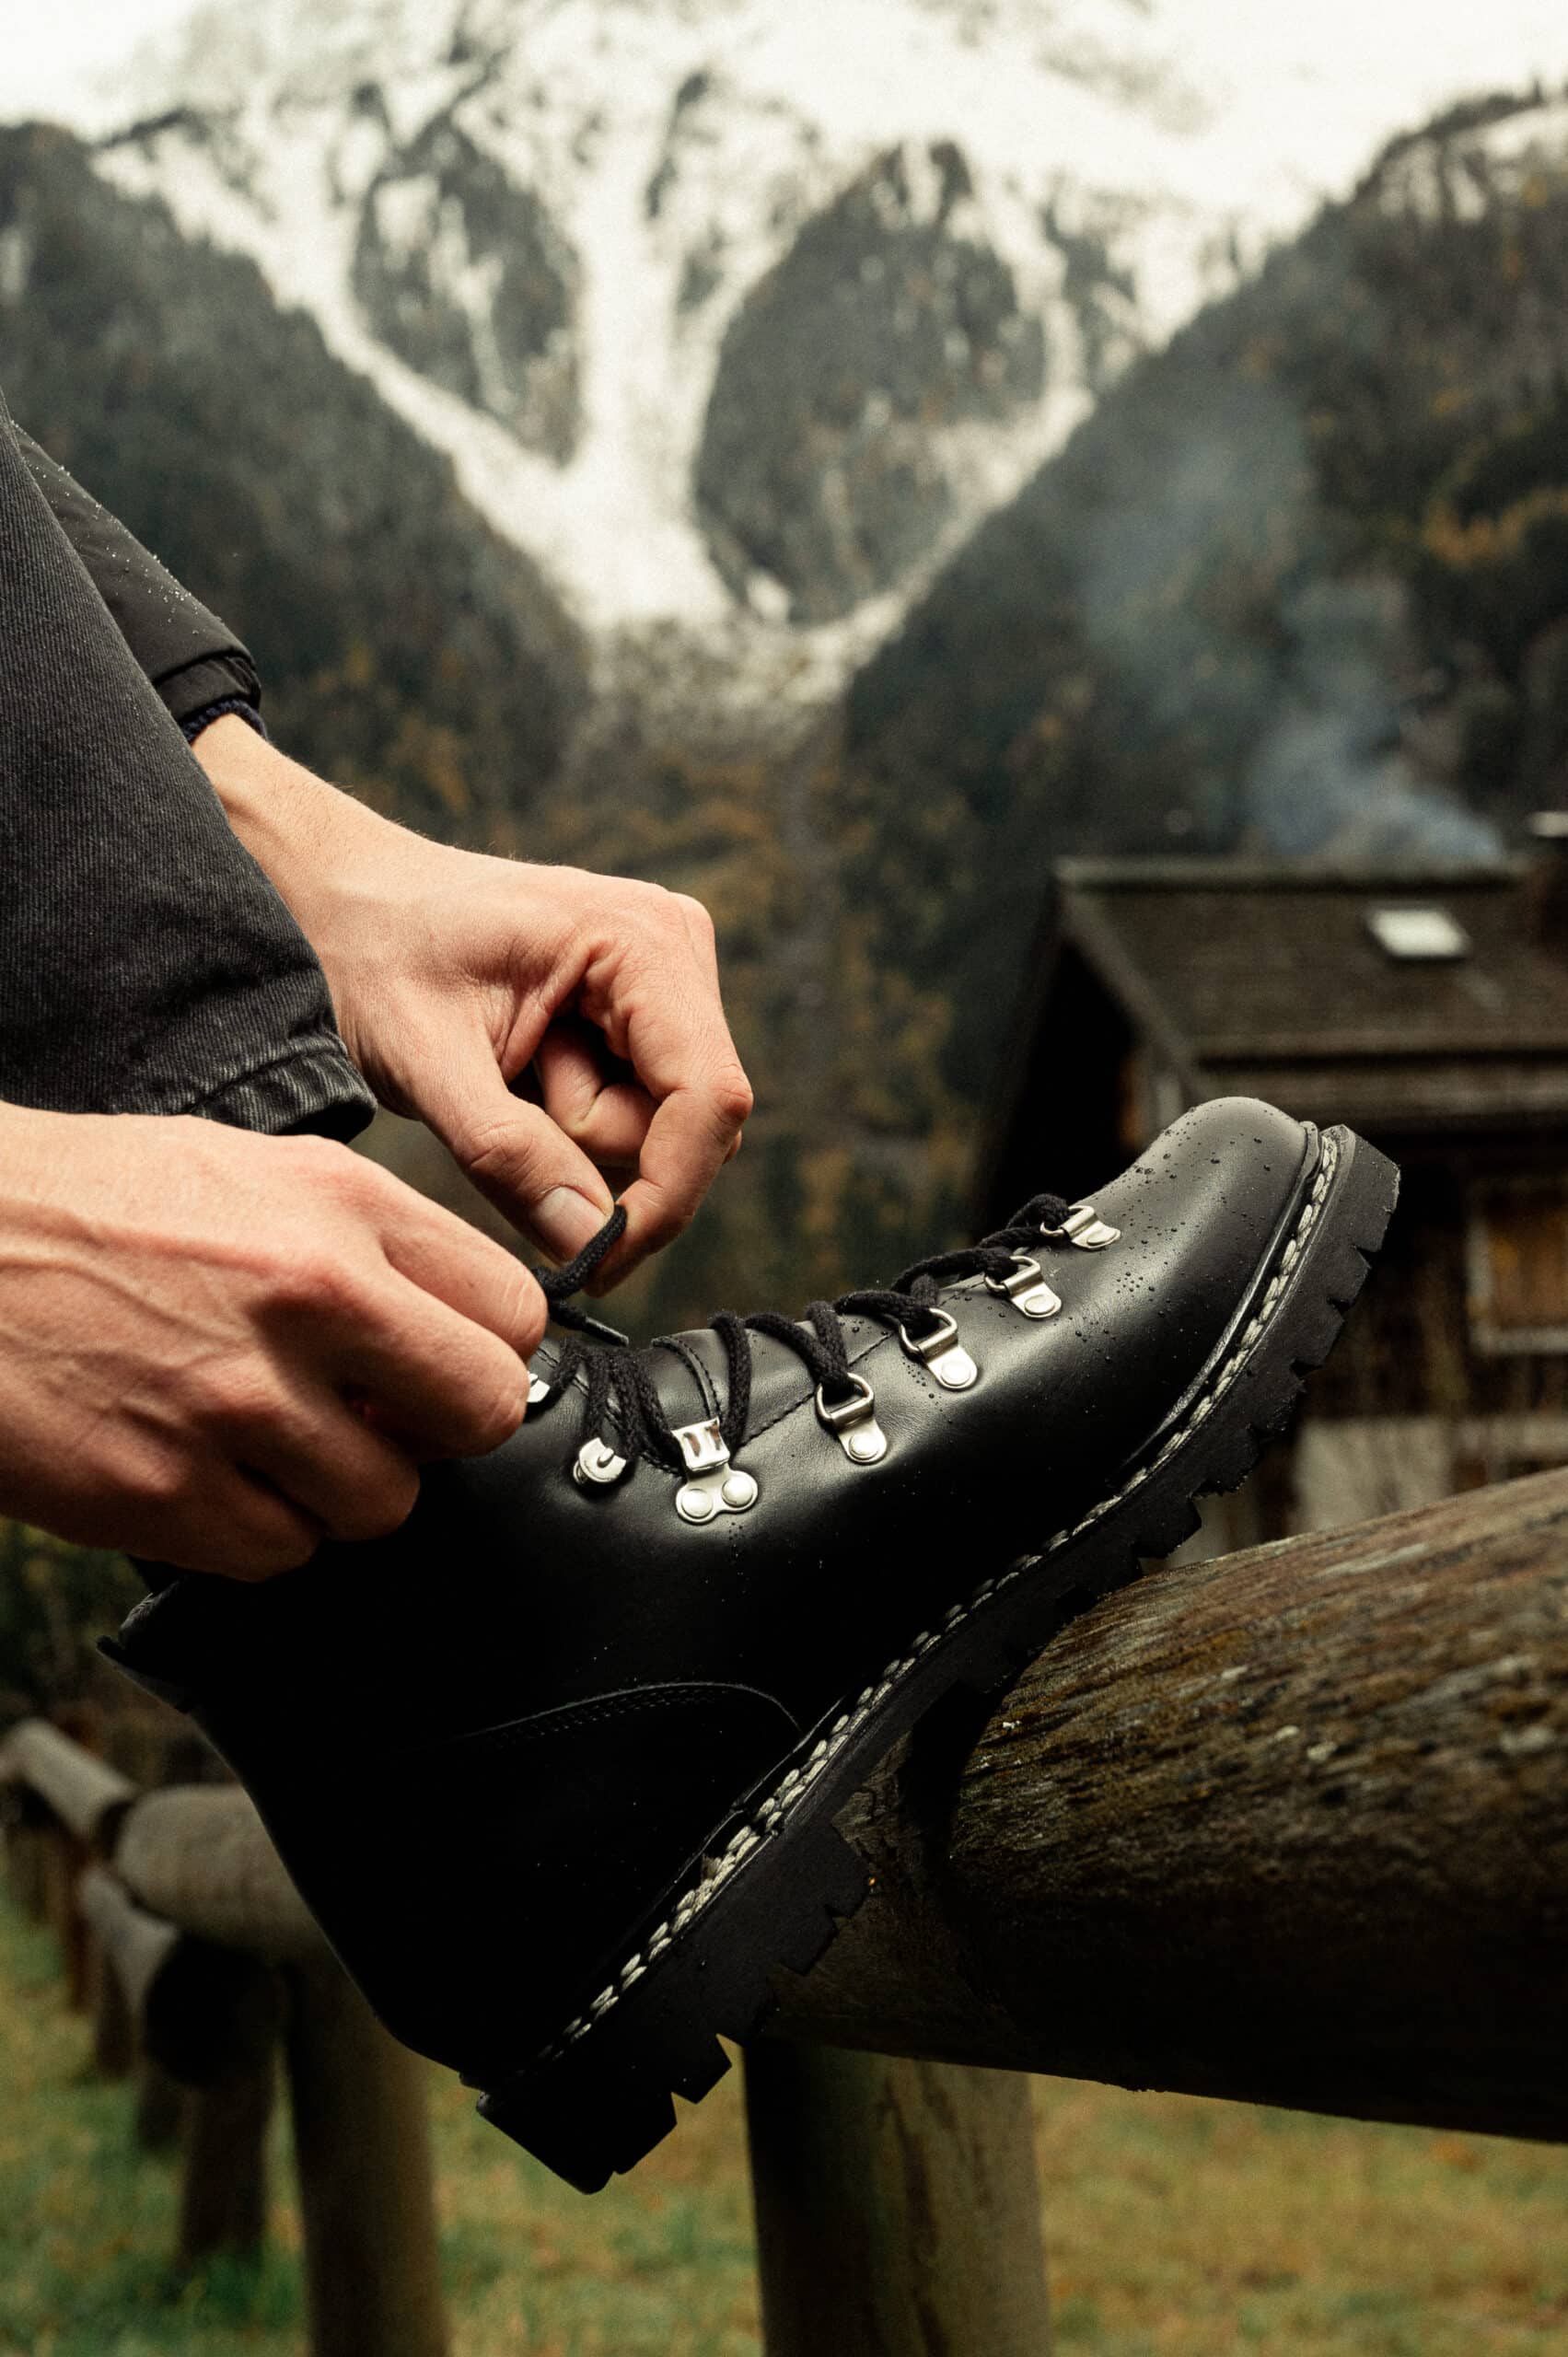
(784,1879)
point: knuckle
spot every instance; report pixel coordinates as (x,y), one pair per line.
(732,1096)
(696,910)
(241,1396)
(671,1218)
(496,1151)
(659,911)
(262,1553)
(380,1505)
(313,1282)
(494,1393)
(496,1413)
(160,1485)
(523,1310)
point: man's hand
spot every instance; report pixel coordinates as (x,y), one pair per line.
(459,981)
(215,1348)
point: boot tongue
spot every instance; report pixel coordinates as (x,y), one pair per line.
(682,1393)
(779,1379)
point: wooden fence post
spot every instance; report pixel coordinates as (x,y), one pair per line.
(362,2148)
(204,2020)
(161,2102)
(223,2193)
(25,1837)
(114,2031)
(898,2207)
(63,1859)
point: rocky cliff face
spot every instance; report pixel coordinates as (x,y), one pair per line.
(891,320)
(463,276)
(728,314)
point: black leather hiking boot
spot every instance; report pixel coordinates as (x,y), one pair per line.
(557,1765)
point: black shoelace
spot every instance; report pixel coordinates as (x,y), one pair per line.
(910,1302)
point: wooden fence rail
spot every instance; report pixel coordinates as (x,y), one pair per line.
(206,1977)
(1288,1827)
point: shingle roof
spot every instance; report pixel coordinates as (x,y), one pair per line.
(1269,980)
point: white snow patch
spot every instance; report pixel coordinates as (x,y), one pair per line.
(1189,134)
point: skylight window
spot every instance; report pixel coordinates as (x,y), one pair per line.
(1418,936)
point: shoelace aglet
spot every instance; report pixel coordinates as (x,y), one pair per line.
(601,1330)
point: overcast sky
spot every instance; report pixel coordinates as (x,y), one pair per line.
(1348,71)
(50,53)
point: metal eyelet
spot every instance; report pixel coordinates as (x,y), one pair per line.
(1083,1227)
(942,1352)
(852,1422)
(597,1464)
(716,1486)
(539,1390)
(1027,1289)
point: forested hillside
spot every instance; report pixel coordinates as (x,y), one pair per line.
(406,648)
(1300,583)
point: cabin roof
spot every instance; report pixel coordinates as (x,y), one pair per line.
(1277,980)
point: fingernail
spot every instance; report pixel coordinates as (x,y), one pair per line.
(564,1221)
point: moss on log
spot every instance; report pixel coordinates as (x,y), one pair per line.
(1289,1826)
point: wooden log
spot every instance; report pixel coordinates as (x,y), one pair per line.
(84,1792)
(1291,1827)
(199,1857)
(223,2190)
(209,2015)
(362,2149)
(898,2207)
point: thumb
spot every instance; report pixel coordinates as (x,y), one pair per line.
(514,1152)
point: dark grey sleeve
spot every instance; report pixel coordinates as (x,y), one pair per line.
(193,660)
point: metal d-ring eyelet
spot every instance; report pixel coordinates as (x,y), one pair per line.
(597,1465)
(1083,1227)
(1027,1288)
(852,1422)
(942,1352)
(715,1486)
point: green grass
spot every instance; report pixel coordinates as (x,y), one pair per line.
(1176,2229)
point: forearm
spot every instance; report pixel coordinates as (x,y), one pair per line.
(308,836)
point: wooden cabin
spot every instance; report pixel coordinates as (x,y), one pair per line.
(1428,1011)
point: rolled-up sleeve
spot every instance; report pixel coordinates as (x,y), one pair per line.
(194,661)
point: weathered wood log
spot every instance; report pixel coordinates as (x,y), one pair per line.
(209,2015)
(84,1792)
(1289,1827)
(198,1855)
(362,2149)
(898,2207)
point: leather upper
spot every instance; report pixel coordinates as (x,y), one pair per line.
(505,1634)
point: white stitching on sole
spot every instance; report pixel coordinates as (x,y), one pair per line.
(715,1873)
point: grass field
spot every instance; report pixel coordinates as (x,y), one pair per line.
(1177,2229)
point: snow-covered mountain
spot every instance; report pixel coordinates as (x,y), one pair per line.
(727,312)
